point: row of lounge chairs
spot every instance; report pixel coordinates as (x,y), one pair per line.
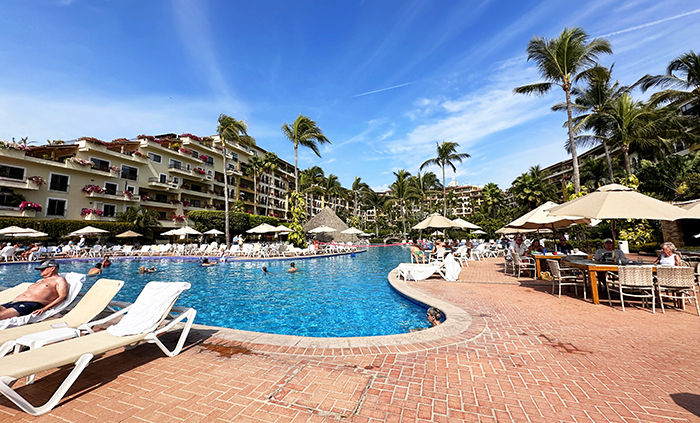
(152,314)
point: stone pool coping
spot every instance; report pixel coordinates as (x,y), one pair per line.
(459,326)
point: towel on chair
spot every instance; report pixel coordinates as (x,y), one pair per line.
(452,268)
(147,311)
(75,283)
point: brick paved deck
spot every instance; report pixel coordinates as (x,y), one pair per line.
(524,356)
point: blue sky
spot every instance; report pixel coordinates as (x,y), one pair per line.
(384,80)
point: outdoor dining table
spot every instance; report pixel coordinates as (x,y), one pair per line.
(592,267)
(538,261)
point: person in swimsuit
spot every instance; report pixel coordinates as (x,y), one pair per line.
(39,297)
(292,268)
(416,251)
(206,262)
(95,270)
(106,262)
(434,316)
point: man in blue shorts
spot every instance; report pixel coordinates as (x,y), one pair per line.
(44,294)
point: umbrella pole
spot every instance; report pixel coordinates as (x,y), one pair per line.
(613,232)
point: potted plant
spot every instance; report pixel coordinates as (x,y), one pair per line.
(37,180)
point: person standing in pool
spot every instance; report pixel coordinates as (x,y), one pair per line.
(207,263)
(95,270)
(434,316)
(292,269)
(264,269)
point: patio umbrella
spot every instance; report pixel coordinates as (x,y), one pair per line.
(262,228)
(509,231)
(321,229)
(479,232)
(351,231)
(538,218)
(128,234)
(464,224)
(88,230)
(185,230)
(17,232)
(213,232)
(283,229)
(435,221)
(619,202)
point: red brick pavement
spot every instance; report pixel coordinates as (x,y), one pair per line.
(538,358)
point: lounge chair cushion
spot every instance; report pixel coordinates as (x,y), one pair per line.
(145,314)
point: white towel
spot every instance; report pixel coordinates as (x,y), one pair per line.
(75,283)
(148,309)
(452,268)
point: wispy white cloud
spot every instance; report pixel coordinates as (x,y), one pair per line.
(384,89)
(648,24)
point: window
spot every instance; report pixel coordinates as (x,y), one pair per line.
(161,198)
(163,178)
(234,157)
(176,180)
(175,164)
(130,173)
(157,158)
(59,182)
(56,207)
(195,203)
(109,210)
(111,188)
(8,198)
(12,172)
(131,189)
(188,167)
(162,216)
(195,154)
(100,164)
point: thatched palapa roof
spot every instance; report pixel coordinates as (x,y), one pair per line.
(328,217)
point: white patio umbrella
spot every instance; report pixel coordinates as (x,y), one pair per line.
(17,232)
(464,224)
(539,218)
(351,231)
(213,232)
(436,221)
(321,229)
(88,230)
(283,229)
(128,234)
(185,230)
(262,228)
(478,232)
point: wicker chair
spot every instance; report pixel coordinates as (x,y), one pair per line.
(523,263)
(632,281)
(676,283)
(508,265)
(566,276)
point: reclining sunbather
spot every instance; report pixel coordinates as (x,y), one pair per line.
(47,292)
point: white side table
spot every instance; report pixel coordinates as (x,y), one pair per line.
(39,339)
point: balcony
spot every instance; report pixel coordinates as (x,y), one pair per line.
(6,211)
(156,183)
(18,184)
(114,195)
(190,191)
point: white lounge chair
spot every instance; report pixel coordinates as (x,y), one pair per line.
(8,253)
(451,269)
(143,251)
(138,325)
(127,250)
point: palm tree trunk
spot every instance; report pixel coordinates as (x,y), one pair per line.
(609,160)
(570,125)
(255,193)
(296,169)
(403,217)
(628,168)
(226,199)
(444,193)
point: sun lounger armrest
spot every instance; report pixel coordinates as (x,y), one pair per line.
(87,327)
(185,313)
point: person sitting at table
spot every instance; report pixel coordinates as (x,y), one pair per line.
(668,256)
(518,246)
(608,254)
(563,247)
(534,249)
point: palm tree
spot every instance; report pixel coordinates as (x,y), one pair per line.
(687,66)
(231,130)
(376,202)
(594,173)
(446,155)
(530,190)
(492,198)
(592,101)
(563,61)
(424,184)
(271,163)
(142,218)
(332,189)
(256,165)
(305,132)
(310,181)
(401,193)
(358,189)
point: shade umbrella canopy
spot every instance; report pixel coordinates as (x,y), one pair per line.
(509,231)
(539,218)
(17,232)
(186,230)
(437,233)
(351,231)
(620,202)
(262,228)
(128,234)
(213,232)
(479,232)
(88,230)
(436,221)
(283,229)
(321,229)
(464,224)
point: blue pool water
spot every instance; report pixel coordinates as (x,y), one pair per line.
(328,297)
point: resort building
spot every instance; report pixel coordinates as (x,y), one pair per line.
(89,179)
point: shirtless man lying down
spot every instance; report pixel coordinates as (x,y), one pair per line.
(39,297)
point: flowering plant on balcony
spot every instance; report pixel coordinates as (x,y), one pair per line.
(80,161)
(179,218)
(144,198)
(185,186)
(218,147)
(37,180)
(86,211)
(190,136)
(13,145)
(146,137)
(28,205)
(185,203)
(203,158)
(114,169)
(128,194)
(208,206)
(199,171)
(92,140)
(93,188)
(175,201)
(184,150)
(139,154)
(119,140)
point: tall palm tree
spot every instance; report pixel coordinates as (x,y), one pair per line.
(424,184)
(256,165)
(563,61)
(310,183)
(231,130)
(358,189)
(401,194)
(492,199)
(687,81)
(271,163)
(530,190)
(594,173)
(446,156)
(591,103)
(376,202)
(305,132)
(333,189)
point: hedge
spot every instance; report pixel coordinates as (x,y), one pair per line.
(57,228)
(203,220)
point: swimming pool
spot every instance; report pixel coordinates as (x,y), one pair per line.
(328,297)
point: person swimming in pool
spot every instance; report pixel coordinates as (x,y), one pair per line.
(207,263)
(264,269)
(292,269)
(418,253)
(144,269)
(434,316)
